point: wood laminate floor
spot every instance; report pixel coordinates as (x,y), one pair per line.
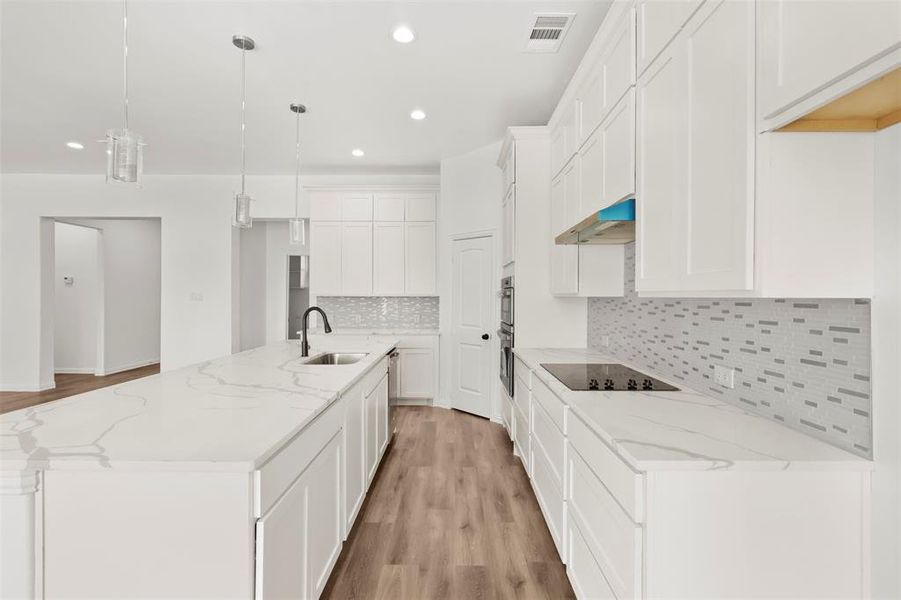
(69,385)
(451,514)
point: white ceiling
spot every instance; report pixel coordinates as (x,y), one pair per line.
(61,77)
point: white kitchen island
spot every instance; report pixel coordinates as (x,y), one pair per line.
(238,477)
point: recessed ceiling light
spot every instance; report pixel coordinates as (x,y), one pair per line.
(417,115)
(357,152)
(75,145)
(403,34)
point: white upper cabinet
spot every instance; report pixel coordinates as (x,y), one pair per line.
(509,167)
(618,134)
(564,276)
(356,259)
(325,258)
(420,207)
(420,259)
(610,77)
(805,46)
(388,259)
(388,206)
(356,206)
(591,177)
(658,23)
(696,157)
(325,206)
(508,216)
(565,138)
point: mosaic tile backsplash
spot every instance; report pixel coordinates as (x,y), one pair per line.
(420,312)
(804,363)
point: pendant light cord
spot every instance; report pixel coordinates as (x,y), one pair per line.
(243,125)
(125,57)
(297,167)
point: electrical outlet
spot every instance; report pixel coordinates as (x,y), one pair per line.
(196,297)
(605,341)
(725,376)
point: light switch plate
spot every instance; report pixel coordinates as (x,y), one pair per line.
(725,376)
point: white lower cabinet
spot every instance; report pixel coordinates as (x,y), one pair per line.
(299,539)
(585,574)
(376,435)
(549,495)
(416,373)
(355,475)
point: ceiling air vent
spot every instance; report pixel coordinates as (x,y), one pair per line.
(547,30)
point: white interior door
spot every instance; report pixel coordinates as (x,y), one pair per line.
(472,327)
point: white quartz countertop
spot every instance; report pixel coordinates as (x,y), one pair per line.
(228,414)
(377,331)
(685,430)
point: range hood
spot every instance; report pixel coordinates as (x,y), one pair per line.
(612,225)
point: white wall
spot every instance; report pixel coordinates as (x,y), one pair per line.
(886,335)
(470,201)
(130,278)
(78,306)
(252,287)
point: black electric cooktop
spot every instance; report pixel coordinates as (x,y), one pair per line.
(610,376)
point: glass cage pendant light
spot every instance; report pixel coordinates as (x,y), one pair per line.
(243,218)
(297,226)
(124,148)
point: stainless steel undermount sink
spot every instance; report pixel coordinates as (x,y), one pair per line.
(336,358)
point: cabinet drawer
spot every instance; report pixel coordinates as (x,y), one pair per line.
(550,498)
(521,395)
(523,372)
(275,477)
(546,434)
(555,408)
(521,437)
(626,486)
(614,540)
(584,572)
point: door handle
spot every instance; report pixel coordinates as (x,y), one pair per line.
(484,336)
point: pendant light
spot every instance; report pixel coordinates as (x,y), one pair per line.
(296,226)
(124,148)
(243,218)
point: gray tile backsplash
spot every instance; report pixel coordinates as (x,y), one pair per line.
(804,363)
(380,312)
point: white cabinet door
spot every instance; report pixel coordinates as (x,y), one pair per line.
(416,373)
(564,259)
(717,248)
(591,176)
(509,167)
(420,207)
(281,552)
(356,206)
(388,206)
(658,23)
(388,259)
(618,135)
(804,45)
(299,539)
(324,526)
(325,206)
(610,77)
(696,157)
(572,196)
(420,258)
(565,138)
(660,173)
(382,436)
(508,227)
(356,259)
(325,258)
(371,437)
(354,446)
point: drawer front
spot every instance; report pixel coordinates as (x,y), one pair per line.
(280,471)
(550,498)
(521,370)
(614,540)
(521,395)
(626,486)
(551,403)
(552,442)
(584,572)
(521,437)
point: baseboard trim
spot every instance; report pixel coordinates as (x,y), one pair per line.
(411,402)
(16,387)
(128,367)
(75,371)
